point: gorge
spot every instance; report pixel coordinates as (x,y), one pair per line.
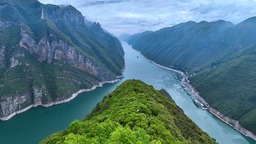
(52,54)
(49,52)
(218,59)
(45,121)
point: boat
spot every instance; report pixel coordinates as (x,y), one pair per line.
(199,104)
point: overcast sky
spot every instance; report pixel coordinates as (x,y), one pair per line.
(132,16)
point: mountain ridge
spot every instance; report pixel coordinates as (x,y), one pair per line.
(180,42)
(48,53)
(133,113)
(222,71)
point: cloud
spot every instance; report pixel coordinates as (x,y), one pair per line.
(234,11)
(131,16)
(97,3)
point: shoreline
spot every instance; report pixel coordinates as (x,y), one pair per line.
(74,95)
(229,121)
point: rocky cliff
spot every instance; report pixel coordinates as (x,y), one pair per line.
(47,53)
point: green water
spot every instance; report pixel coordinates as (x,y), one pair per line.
(32,126)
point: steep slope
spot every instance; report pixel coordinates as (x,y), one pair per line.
(110,43)
(192,46)
(222,57)
(133,113)
(188,46)
(47,53)
(230,88)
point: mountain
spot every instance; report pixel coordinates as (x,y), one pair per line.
(230,87)
(124,37)
(134,113)
(49,52)
(192,46)
(187,46)
(221,58)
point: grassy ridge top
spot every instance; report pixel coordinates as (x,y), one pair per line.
(134,113)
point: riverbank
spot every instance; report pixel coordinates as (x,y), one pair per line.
(229,121)
(74,95)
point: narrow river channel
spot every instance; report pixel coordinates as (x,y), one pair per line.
(32,126)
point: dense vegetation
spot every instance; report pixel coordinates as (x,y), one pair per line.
(133,113)
(222,57)
(230,87)
(192,46)
(22,71)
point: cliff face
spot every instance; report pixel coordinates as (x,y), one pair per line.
(56,49)
(47,53)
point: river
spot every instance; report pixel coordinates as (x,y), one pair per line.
(32,126)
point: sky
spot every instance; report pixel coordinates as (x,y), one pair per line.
(133,16)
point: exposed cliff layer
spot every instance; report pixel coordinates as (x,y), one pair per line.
(47,53)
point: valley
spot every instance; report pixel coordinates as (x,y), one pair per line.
(218,59)
(184,76)
(45,121)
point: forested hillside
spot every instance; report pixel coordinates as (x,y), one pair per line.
(47,53)
(230,87)
(188,46)
(220,54)
(192,46)
(133,113)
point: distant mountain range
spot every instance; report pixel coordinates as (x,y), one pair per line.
(49,52)
(218,56)
(194,46)
(134,113)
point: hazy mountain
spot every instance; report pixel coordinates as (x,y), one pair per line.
(47,53)
(195,46)
(188,46)
(133,113)
(124,37)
